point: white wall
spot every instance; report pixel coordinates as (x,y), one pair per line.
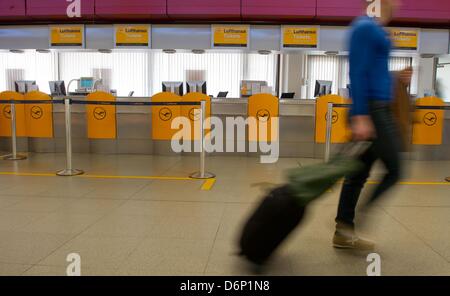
(144,72)
(292,75)
(443,79)
(41,67)
(426,74)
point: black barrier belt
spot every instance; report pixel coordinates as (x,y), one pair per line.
(416,107)
(115,103)
(341,105)
(433,107)
(28,102)
(109,103)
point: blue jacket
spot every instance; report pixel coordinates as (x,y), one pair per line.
(370,79)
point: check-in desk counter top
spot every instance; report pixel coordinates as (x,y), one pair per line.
(229,106)
(76,108)
(291,107)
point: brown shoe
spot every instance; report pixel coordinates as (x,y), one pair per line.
(342,241)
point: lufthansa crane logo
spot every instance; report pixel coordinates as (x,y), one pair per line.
(165,114)
(430,119)
(263,115)
(99,113)
(7,112)
(194,114)
(334,117)
(36,112)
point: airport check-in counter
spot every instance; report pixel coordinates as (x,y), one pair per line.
(134,131)
(297,123)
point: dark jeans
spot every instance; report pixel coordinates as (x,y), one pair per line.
(386,147)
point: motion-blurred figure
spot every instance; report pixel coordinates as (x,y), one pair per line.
(371,115)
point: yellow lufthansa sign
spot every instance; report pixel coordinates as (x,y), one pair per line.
(101,119)
(263,110)
(39,117)
(193,113)
(162,116)
(406,39)
(6,113)
(429,124)
(71,36)
(300,37)
(230,36)
(132,35)
(340,130)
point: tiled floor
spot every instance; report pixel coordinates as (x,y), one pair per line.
(172,227)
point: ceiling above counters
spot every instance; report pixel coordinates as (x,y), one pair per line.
(430,12)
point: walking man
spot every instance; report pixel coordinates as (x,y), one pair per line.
(371,117)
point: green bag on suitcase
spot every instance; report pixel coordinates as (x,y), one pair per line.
(310,182)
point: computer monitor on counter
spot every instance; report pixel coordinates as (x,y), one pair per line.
(86,83)
(289,95)
(222,94)
(173,87)
(196,86)
(57,88)
(323,87)
(24,86)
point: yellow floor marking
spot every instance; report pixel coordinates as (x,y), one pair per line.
(27,174)
(136,177)
(208,184)
(413,183)
(406,183)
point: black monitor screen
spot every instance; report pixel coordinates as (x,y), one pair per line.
(57,88)
(287,95)
(196,86)
(323,87)
(222,94)
(24,86)
(173,87)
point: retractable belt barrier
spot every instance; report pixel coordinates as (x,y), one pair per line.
(416,107)
(80,102)
(69,171)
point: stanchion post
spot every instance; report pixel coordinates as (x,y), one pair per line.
(14,155)
(329,127)
(68,171)
(202,174)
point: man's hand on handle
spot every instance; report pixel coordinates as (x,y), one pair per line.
(362,128)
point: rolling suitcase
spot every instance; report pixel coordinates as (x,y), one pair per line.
(283,209)
(278,214)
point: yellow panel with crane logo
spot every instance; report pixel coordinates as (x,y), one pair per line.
(162,116)
(264,110)
(428,124)
(39,117)
(5,115)
(193,113)
(101,119)
(340,131)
